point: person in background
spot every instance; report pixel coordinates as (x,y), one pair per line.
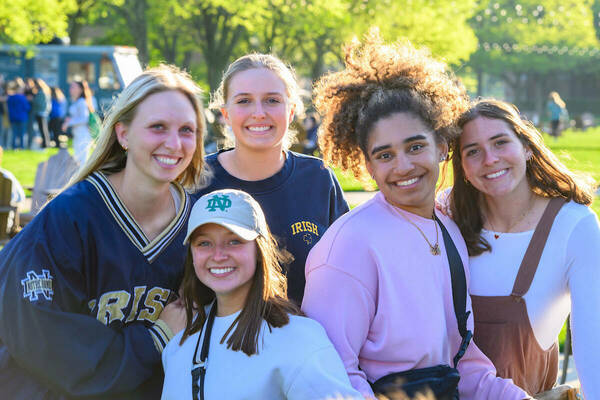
(533,241)
(57,113)
(78,119)
(380,281)
(83,285)
(238,315)
(17,194)
(18,113)
(30,91)
(558,112)
(41,105)
(4,132)
(311,125)
(301,197)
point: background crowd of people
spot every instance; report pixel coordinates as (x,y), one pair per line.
(31,109)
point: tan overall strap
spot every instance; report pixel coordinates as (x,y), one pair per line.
(536,246)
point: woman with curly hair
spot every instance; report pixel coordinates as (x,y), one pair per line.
(382,278)
(533,238)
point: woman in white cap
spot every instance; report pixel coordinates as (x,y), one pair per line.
(238,314)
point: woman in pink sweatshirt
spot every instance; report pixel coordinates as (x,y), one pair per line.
(379,279)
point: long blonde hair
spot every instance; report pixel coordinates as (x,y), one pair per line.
(108,155)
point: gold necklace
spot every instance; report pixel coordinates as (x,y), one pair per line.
(497,234)
(433,249)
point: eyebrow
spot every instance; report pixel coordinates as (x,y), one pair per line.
(492,138)
(250,94)
(407,140)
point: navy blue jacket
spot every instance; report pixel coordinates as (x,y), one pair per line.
(80,288)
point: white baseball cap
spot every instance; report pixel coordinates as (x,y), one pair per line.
(232,209)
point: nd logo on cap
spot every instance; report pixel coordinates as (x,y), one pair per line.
(221,202)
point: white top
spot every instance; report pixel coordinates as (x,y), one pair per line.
(78,113)
(567,280)
(296,361)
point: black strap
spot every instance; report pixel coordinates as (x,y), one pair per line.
(199,367)
(459,291)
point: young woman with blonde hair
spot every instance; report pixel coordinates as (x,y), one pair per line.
(82,287)
(301,197)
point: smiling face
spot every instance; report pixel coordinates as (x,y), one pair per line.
(493,158)
(161,139)
(258,109)
(225,263)
(403,158)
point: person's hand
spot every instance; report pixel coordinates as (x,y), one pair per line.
(174,316)
(561,392)
(442,202)
(65,125)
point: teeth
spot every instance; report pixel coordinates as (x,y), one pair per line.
(220,271)
(258,128)
(407,183)
(166,160)
(496,174)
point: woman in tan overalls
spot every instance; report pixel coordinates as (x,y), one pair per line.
(534,245)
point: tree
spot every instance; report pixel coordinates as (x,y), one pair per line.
(33,21)
(441,25)
(527,38)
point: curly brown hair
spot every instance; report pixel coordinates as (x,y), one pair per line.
(546,175)
(379,80)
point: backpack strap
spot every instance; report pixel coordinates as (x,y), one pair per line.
(459,291)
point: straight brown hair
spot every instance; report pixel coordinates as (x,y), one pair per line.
(267,299)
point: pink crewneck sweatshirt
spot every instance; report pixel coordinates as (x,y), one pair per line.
(386,301)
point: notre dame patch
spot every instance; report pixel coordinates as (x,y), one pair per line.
(35,285)
(308,231)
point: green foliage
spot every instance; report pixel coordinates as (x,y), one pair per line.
(440,25)
(530,35)
(29,22)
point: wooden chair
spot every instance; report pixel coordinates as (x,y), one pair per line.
(50,177)
(6,209)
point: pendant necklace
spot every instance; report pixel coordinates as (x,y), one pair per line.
(511,226)
(434,249)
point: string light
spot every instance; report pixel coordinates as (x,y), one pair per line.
(540,49)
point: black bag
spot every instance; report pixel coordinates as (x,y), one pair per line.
(441,380)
